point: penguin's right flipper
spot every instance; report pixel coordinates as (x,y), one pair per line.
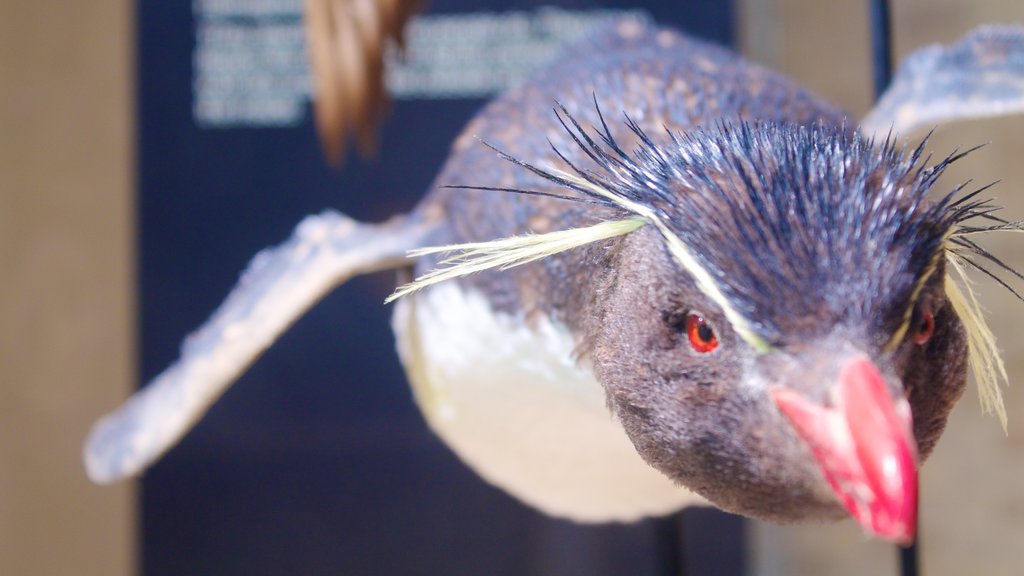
(280,284)
(980,76)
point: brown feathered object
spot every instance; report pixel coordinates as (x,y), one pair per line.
(347,41)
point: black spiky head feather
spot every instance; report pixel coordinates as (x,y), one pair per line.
(771,209)
(790,229)
(803,223)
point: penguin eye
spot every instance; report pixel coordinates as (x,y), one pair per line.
(701,336)
(925,327)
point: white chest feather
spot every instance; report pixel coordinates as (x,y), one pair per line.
(517,408)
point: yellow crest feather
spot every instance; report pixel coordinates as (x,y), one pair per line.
(986,363)
(510,252)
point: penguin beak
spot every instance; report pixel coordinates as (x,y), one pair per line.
(864,446)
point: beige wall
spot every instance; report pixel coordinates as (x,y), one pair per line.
(973,486)
(66,291)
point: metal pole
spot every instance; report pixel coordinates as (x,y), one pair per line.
(670,540)
(908,560)
(881,45)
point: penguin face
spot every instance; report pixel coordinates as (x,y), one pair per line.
(849,356)
(704,418)
(702,405)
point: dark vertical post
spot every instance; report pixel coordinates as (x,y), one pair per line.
(881,45)
(908,560)
(670,539)
(701,542)
(716,542)
(909,555)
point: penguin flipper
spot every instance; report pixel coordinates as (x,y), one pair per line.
(980,76)
(278,286)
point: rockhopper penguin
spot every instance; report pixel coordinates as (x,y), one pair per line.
(663,276)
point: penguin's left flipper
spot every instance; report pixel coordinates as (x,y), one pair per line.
(280,284)
(980,76)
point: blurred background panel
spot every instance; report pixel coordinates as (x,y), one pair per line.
(67,249)
(317,461)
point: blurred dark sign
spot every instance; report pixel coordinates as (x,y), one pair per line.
(316,461)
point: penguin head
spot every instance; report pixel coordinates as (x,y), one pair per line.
(779,330)
(798,350)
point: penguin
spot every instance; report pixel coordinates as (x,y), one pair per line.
(657,275)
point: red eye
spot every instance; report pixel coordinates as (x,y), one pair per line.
(702,337)
(925,327)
